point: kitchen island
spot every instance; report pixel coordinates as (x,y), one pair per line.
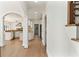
(10,34)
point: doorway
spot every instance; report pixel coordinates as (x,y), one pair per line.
(13,30)
(36,29)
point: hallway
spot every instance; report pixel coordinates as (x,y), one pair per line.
(14,49)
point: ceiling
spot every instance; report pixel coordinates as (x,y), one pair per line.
(32,9)
(35,10)
(12,17)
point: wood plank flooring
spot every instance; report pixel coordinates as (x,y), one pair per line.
(14,49)
(0,51)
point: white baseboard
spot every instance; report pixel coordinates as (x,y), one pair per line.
(48,53)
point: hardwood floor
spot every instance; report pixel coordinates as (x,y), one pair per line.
(0,51)
(14,49)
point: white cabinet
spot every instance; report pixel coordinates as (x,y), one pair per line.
(8,35)
(21,35)
(30,35)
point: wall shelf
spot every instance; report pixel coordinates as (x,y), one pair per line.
(76,8)
(77,40)
(75,4)
(72,25)
(76,15)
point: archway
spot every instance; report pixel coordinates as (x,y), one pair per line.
(13,28)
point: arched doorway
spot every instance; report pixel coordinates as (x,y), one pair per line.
(12,26)
(14,46)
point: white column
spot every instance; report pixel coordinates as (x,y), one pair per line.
(25,32)
(43,29)
(1,33)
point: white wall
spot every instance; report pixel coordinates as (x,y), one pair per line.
(1,32)
(59,36)
(57,42)
(71,32)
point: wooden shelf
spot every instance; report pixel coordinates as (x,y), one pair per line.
(76,8)
(74,39)
(72,25)
(75,4)
(76,15)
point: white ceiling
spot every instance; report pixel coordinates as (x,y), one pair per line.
(35,10)
(32,9)
(12,18)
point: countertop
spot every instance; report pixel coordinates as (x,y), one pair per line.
(13,30)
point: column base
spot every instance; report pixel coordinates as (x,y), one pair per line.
(25,46)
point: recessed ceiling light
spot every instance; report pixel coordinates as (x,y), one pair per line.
(36,12)
(35,1)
